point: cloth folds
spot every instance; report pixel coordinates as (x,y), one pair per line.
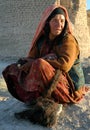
(28,86)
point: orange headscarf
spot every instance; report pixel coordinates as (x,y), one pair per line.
(43,20)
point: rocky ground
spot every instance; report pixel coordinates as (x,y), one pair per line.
(72,117)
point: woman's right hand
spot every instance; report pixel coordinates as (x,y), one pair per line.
(26,65)
(51,56)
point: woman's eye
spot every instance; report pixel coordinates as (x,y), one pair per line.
(62,20)
(54,20)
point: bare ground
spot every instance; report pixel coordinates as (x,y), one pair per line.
(72,117)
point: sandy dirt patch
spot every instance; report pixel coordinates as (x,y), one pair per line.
(72,117)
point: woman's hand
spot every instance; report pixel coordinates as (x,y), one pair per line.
(50,56)
(24,65)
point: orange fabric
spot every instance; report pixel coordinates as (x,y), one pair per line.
(33,85)
(67,53)
(36,80)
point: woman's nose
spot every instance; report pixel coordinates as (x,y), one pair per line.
(58,23)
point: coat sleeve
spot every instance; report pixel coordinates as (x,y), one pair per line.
(67,53)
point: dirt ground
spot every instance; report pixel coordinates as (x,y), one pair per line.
(72,117)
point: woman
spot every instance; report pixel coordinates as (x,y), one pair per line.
(53,48)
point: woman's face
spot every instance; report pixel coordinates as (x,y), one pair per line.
(57,24)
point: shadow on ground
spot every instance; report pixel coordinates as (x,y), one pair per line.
(87,74)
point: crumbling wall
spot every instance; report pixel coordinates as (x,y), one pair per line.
(88,19)
(78,16)
(19,19)
(18,22)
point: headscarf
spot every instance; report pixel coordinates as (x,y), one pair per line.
(43,20)
(55,12)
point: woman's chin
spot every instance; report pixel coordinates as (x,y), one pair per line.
(57,32)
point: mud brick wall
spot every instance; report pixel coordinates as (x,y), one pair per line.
(18,22)
(19,19)
(88,19)
(78,15)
